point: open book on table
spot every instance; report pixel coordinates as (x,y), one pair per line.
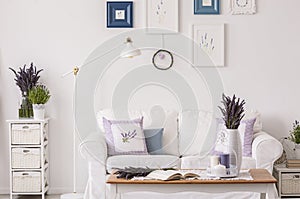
(171,175)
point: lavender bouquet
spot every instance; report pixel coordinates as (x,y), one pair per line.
(26,79)
(233,111)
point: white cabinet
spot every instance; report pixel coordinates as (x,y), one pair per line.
(29,162)
(288,181)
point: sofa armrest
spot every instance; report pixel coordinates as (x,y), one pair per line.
(265,150)
(93,148)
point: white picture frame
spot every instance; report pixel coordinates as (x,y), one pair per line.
(243,7)
(162,16)
(209,39)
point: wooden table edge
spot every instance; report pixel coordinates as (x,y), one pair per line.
(259,176)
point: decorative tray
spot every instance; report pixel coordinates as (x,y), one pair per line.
(230,173)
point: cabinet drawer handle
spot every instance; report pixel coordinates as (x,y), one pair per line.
(25,127)
(25,174)
(26,151)
(296,176)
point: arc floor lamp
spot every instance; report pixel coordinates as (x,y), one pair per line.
(128,52)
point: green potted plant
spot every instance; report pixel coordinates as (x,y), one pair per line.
(39,96)
(233,113)
(25,79)
(295,137)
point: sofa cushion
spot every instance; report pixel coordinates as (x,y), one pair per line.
(197,162)
(246,134)
(151,161)
(166,119)
(154,141)
(194,126)
(125,136)
(120,115)
(156,118)
(258,123)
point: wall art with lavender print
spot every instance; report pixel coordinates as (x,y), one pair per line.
(210,39)
(162,15)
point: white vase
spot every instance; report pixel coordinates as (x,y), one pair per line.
(235,148)
(38,111)
(297,151)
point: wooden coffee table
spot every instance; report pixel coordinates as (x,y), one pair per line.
(263,182)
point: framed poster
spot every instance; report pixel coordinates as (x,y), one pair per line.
(209,39)
(162,16)
(211,7)
(243,7)
(119,14)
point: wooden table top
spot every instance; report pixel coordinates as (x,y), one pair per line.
(258,175)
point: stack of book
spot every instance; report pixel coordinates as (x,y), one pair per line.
(295,163)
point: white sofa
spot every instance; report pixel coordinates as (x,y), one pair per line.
(183,150)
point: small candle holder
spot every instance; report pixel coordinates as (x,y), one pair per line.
(223,166)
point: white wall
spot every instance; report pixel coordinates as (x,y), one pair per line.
(261,63)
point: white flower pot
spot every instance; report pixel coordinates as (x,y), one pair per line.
(38,111)
(297,151)
(235,148)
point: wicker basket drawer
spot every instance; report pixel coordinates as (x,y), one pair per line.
(26,134)
(26,182)
(26,158)
(290,183)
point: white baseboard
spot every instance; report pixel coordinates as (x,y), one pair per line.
(61,190)
(52,190)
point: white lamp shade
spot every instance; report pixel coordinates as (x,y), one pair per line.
(130,51)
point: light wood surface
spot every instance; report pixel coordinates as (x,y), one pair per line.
(258,175)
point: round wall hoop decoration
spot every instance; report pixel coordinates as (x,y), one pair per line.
(163,59)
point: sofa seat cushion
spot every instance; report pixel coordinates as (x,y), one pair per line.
(151,161)
(196,162)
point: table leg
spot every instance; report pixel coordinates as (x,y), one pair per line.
(262,195)
(272,191)
(112,191)
(118,196)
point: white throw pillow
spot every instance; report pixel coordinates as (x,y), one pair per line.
(193,130)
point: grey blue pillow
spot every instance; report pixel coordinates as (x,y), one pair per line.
(154,141)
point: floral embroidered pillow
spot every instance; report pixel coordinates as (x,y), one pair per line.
(246,135)
(125,137)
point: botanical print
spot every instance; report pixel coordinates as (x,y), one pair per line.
(207,43)
(209,39)
(126,137)
(161,11)
(120,14)
(162,14)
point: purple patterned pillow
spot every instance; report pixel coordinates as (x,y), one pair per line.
(125,137)
(246,134)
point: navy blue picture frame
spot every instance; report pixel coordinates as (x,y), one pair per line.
(126,19)
(199,9)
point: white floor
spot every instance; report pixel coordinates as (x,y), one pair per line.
(30,197)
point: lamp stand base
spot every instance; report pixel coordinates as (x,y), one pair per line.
(72,196)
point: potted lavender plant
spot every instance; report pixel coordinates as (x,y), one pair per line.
(26,78)
(233,113)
